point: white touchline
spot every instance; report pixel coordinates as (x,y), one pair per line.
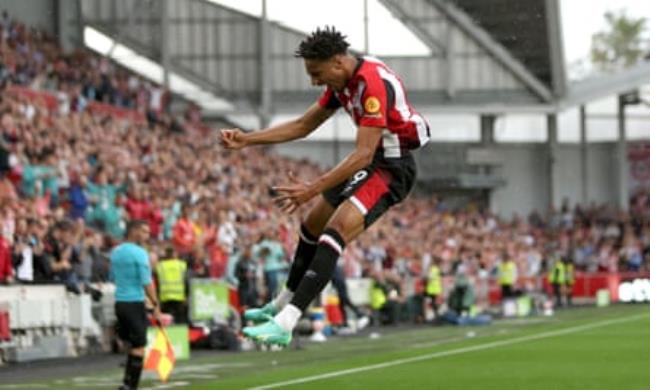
(458,351)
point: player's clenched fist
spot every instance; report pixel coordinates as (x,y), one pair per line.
(233,138)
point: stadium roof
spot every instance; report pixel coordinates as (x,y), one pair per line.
(466,59)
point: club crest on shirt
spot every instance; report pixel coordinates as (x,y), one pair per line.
(372,105)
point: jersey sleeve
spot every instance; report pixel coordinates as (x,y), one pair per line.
(374,102)
(329,100)
(144,269)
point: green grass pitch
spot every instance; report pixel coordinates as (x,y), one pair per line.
(585,349)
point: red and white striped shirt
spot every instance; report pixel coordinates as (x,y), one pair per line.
(375,97)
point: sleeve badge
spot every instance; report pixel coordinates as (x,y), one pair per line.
(372,105)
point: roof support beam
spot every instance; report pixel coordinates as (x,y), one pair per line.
(484,39)
(599,87)
(449,62)
(395,8)
(264,71)
(556,45)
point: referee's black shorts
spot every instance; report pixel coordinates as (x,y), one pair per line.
(377,187)
(132,323)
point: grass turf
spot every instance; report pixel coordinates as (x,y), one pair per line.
(582,349)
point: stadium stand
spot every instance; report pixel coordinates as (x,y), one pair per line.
(91,146)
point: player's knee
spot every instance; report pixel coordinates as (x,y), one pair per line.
(309,233)
(333,234)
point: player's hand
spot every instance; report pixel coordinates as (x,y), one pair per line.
(293,195)
(233,139)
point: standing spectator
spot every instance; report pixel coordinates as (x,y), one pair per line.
(23,255)
(4,159)
(6,270)
(227,234)
(433,289)
(270,254)
(59,245)
(482,285)
(507,274)
(569,279)
(172,277)
(245,273)
(183,234)
(557,279)
(339,284)
(103,196)
(37,173)
(77,197)
(41,263)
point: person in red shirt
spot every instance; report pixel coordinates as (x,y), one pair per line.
(155,217)
(137,205)
(6,269)
(377,174)
(183,234)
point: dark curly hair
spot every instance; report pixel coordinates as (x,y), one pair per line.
(322,44)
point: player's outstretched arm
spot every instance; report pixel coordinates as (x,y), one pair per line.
(298,128)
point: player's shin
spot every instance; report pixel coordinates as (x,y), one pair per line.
(329,249)
(302,259)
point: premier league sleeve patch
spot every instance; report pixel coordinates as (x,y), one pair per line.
(372,105)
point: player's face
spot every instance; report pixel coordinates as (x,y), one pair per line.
(328,72)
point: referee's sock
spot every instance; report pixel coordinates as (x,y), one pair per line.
(132,371)
(301,260)
(329,249)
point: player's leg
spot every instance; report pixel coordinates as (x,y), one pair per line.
(346,224)
(369,194)
(310,229)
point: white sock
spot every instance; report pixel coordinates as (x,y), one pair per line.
(288,317)
(282,299)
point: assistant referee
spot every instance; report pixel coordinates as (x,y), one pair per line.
(131,273)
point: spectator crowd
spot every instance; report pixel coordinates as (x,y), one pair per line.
(72,177)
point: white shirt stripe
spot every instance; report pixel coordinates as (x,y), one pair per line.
(421,126)
(400,96)
(390,142)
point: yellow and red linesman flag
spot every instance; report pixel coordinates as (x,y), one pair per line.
(161,356)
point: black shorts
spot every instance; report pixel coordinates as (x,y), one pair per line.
(377,187)
(132,323)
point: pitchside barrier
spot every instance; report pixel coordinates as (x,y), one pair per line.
(623,286)
(44,322)
(41,321)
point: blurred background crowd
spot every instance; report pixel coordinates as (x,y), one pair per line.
(72,177)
